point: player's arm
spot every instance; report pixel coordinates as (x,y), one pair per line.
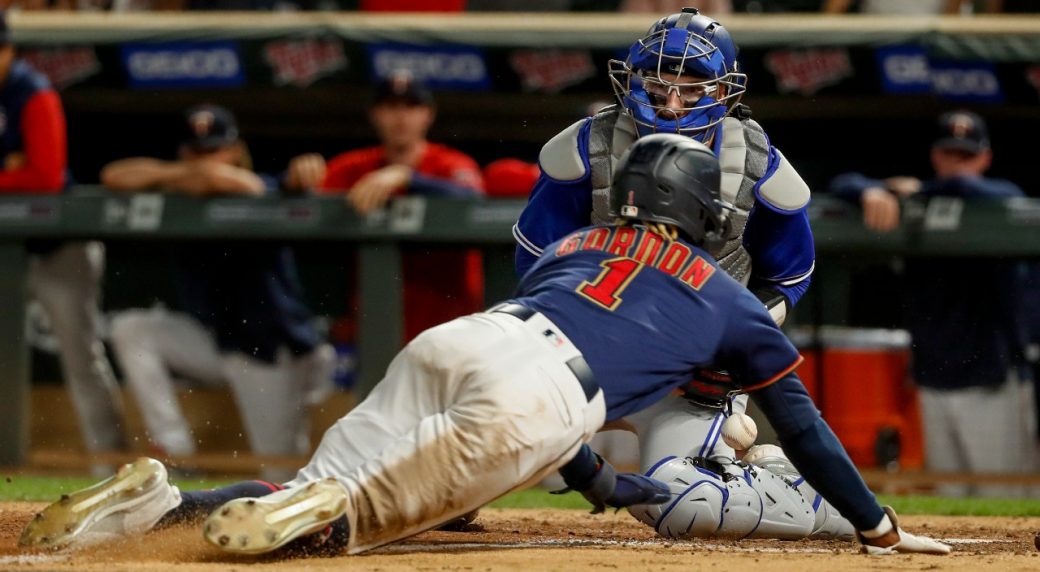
(779,239)
(42,165)
(561,200)
(762,361)
(975,187)
(463,179)
(601,485)
(189,177)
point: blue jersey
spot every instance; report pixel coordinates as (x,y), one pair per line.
(779,241)
(645,311)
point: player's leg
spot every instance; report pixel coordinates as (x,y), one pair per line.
(943,447)
(677,427)
(149,345)
(506,411)
(66,282)
(272,403)
(128,503)
(136,499)
(995,429)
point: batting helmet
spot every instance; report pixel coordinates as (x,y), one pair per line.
(690,55)
(675,180)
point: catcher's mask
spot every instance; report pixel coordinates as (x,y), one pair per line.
(671,179)
(686,54)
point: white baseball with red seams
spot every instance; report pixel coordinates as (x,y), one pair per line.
(739,431)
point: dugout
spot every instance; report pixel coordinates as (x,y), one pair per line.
(834,93)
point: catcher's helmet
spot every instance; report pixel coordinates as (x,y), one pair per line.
(688,54)
(675,180)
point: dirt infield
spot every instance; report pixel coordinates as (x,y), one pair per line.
(513,539)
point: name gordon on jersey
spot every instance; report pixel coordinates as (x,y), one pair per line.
(645,247)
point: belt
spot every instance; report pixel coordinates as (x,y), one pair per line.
(581,370)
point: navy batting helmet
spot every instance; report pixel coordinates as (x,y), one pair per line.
(671,179)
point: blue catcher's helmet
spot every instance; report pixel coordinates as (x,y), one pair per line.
(681,77)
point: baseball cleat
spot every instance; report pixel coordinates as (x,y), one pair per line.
(125,504)
(258,525)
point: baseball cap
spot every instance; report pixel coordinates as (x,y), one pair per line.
(962,130)
(402,85)
(209,127)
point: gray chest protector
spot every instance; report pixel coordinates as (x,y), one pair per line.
(743,158)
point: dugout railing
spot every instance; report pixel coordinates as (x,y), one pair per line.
(946,227)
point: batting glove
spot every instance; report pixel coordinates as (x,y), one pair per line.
(904,542)
(603,486)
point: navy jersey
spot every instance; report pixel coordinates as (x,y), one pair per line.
(645,311)
(247,293)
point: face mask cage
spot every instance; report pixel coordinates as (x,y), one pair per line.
(680,63)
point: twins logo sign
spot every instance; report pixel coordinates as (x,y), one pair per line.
(302,62)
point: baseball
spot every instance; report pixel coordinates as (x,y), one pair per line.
(739,431)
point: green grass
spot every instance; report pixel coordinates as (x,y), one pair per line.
(32,488)
(962,506)
(539,498)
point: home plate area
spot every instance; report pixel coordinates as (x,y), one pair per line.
(550,539)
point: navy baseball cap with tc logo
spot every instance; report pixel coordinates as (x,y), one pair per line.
(963,131)
(208,128)
(402,86)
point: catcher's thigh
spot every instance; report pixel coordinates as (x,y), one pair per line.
(675,427)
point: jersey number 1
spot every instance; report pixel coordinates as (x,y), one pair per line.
(606,289)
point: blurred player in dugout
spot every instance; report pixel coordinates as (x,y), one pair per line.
(241,320)
(440,283)
(64,276)
(968,326)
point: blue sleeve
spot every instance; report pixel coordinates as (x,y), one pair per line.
(782,251)
(272,187)
(816,452)
(752,348)
(435,187)
(974,187)
(849,186)
(554,209)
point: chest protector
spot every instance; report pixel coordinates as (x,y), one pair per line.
(743,157)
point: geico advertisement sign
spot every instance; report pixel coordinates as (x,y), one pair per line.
(183,64)
(908,69)
(453,67)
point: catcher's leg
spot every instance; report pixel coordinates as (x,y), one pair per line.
(677,427)
(828,522)
(713,500)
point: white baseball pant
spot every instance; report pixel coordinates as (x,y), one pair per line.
(981,429)
(67,283)
(272,398)
(467,412)
(674,426)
